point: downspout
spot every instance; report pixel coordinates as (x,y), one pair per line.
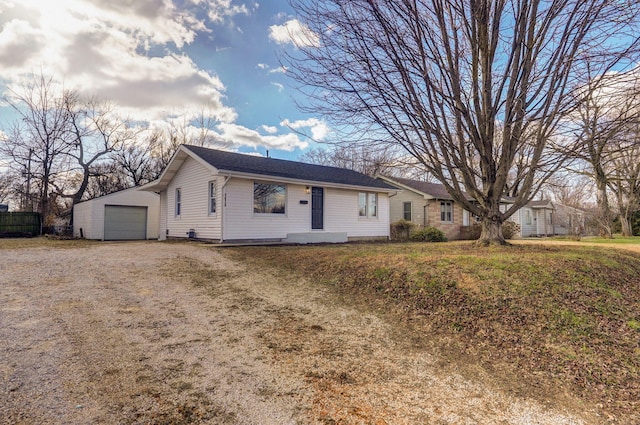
(223,207)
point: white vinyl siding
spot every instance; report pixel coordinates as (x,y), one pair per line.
(242,223)
(341,214)
(418,204)
(90,215)
(193,179)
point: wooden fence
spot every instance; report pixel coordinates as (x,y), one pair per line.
(14,224)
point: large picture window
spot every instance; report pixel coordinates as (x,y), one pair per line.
(446,212)
(212,197)
(269,198)
(367,204)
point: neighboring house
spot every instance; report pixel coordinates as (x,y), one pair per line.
(430,205)
(535,219)
(129,214)
(226,197)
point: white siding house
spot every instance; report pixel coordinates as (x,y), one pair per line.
(222,196)
(536,219)
(125,215)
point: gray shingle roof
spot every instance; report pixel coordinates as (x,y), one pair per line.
(436,190)
(271,167)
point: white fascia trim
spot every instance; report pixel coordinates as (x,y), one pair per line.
(265,177)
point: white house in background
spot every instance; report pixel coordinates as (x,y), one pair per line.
(536,219)
(223,196)
(126,215)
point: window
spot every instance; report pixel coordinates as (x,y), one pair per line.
(367,204)
(527,217)
(406,211)
(362,204)
(178,202)
(212,197)
(269,198)
(446,211)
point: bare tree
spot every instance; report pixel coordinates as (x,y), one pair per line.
(6,187)
(609,108)
(624,178)
(464,86)
(95,132)
(568,188)
(108,178)
(37,142)
(136,164)
(358,158)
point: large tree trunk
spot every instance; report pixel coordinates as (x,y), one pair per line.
(492,228)
(605,223)
(626,225)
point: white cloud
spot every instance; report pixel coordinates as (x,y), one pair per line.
(278,70)
(270,129)
(294,32)
(236,135)
(279,86)
(129,53)
(218,10)
(100,47)
(319,129)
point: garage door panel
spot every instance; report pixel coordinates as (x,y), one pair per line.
(124,222)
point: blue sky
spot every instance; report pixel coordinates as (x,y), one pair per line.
(162,60)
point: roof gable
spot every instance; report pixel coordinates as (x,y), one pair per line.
(434,190)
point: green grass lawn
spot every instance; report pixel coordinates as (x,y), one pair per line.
(617,239)
(569,315)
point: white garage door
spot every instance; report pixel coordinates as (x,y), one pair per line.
(125,222)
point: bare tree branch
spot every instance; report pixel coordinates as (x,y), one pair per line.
(469,88)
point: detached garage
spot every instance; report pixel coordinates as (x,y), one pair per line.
(130,214)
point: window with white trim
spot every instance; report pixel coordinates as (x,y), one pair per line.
(446,211)
(178,202)
(406,211)
(367,204)
(212,197)
(269,198)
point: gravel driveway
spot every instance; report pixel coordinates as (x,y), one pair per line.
(175,333)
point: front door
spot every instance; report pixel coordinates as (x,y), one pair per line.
(317,208)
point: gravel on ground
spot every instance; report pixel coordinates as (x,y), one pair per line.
(176,333)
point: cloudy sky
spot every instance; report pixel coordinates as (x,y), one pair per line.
(160,60)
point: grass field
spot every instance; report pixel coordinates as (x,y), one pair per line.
(42,242)
(617,239)
(562,316)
